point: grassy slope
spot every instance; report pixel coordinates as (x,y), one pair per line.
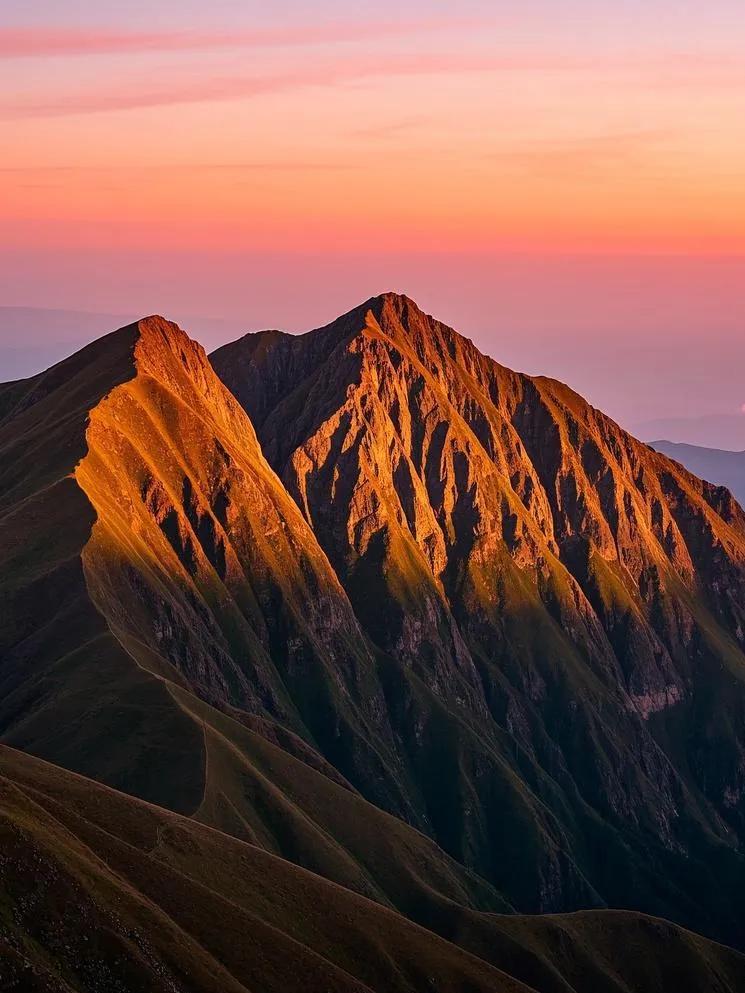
(167,904)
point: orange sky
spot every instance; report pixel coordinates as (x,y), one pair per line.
(262,165)
(423,133)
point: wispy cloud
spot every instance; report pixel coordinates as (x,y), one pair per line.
(679,70)
(296,165)
(211,88)
(60,41)
(581,152)
(391,129)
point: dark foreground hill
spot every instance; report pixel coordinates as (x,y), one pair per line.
(104,892)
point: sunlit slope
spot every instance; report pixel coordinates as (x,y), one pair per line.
(557,602)
(67,688)
(199,556)
(101,891)
(106,459)
(169,621)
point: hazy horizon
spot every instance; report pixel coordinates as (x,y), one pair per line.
(620,381)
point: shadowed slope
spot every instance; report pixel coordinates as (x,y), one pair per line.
(102,891)
(67,689)
(570,600)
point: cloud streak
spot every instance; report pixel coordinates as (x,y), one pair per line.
(57,41)
(670,70)
(207,89)
(296,165)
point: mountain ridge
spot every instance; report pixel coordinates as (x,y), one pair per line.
(107,686)
(387,426)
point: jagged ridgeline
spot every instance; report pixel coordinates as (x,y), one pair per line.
(364,600)
(560,608)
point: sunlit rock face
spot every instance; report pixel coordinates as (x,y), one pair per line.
(202,563)
(549,579)
(150,547)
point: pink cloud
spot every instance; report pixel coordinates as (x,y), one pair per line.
(670,69)
(54,41)
(330,73)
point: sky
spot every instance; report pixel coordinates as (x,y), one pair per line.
(562,180)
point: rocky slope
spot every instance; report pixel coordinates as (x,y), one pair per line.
(571,600)
(101,892)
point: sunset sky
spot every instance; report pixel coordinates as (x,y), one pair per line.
(564,181)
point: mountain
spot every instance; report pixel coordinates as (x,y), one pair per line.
(170,627)
(101,891)
(440,636)
(720,467)
(31,338)
(564,608)
(707,431)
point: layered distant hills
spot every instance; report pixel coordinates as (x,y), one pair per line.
(721,467)
(440,635)
(713,431)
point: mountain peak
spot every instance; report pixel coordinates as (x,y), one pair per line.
(398,302)
(157,333)
(396,312)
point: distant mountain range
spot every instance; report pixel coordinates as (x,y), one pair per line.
(32,338)
(402,646)
(717,431)
(720,467)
